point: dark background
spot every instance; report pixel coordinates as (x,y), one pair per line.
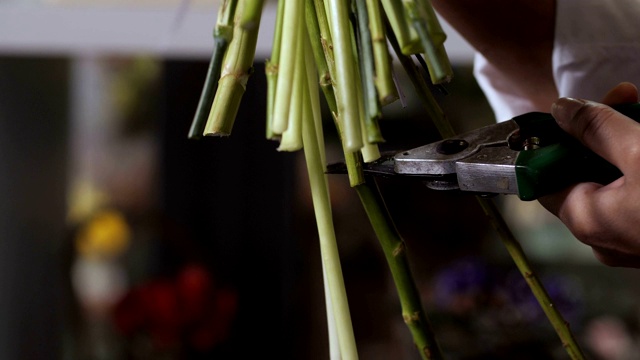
(242,209)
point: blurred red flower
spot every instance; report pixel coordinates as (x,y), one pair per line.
(187,310)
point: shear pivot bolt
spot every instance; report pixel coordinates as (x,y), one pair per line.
(451,146)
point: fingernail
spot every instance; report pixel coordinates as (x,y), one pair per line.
(564,109)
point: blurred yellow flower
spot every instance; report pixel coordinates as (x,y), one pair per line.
(105,235)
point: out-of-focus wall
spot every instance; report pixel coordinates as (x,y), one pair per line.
(33,157)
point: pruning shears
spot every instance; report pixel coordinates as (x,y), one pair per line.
(529,156)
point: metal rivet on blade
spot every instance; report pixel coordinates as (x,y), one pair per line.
(451,146)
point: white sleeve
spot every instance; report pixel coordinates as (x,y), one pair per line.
(596,46)
(506,96)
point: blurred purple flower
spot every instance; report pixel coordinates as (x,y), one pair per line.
(565,293)
(461,286)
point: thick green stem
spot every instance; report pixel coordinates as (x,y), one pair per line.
(395,252)
(328,244)
(387,92)
(222,35)
(237,68)
(251,14)
(346,87)
(522,263)
(512,245)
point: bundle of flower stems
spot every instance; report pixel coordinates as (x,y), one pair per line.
(340,48)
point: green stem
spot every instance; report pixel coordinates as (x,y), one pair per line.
(312,98)
(236,70)
(371,104)
(396,254)
(522,263)
(370,152)
(434,112)
(222,35)
(271,70)
(314,95)
(326,67)
(348,113)
(511,243)
(316,41)
(408,39)
(426,23)
(292,137)
(252,13)
(293,16)
(353,159)
(328,244)
(325,35)
(387,92)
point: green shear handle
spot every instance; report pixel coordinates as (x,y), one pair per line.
(553,160)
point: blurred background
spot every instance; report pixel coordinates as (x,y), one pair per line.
(121,239)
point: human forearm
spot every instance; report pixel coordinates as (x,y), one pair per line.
(515,37)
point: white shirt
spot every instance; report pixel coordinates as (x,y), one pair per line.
(596,46)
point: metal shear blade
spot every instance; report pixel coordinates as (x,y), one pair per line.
(481,160)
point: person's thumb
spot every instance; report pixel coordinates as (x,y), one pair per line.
(608,133)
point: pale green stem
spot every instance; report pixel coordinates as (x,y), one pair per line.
(332,327)
(314,95)
(328,244)
(271,70)
(292,137)
(346,86)
(312,98)
(387,92)
(293,16)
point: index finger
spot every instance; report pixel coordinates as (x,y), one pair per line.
(623,93)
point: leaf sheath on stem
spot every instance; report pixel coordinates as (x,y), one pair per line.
(237,68)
